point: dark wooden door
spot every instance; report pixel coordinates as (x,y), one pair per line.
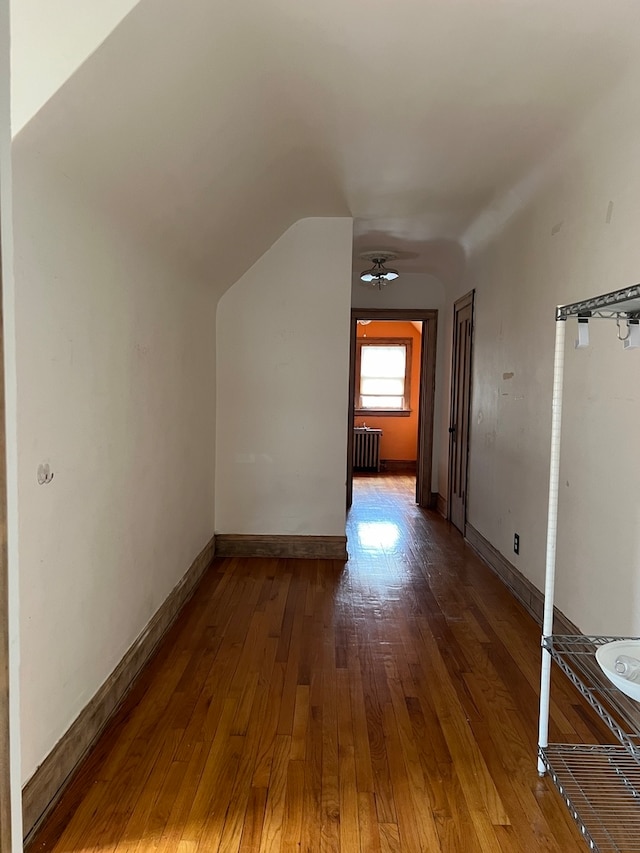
(460,407)
(425,415)
(351,415)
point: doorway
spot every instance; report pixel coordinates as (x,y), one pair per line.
(460,410)
(425,395)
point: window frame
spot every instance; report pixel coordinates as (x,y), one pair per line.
(406,411)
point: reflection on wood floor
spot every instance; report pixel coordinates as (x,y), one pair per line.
(388,704)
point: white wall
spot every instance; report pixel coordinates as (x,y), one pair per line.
(282,386)
(414,290)
(116,390)
(558,248)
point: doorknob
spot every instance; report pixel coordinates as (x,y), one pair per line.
(452,430)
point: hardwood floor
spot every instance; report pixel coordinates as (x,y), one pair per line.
(389,704)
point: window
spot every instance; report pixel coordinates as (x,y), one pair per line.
(382,376)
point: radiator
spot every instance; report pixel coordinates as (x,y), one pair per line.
(366,448)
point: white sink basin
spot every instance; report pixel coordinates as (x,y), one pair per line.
(606,656)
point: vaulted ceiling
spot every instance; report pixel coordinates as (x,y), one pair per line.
(212,125)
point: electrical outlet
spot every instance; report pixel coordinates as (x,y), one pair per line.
(516,543)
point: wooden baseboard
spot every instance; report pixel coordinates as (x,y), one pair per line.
(45,787)
(442,506)
(400,465)
(520,587)
(300,547)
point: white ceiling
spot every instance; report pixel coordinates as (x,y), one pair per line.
(215,125)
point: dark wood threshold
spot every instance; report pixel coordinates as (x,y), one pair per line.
(406,466)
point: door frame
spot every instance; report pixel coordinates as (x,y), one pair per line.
(10,798)
(429,319)
(468,299)
(5,742)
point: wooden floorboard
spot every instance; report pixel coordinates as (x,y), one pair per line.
(385,704)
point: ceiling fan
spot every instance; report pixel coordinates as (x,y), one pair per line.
(378,274)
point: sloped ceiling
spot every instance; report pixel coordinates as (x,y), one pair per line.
(213,125)
(49,42)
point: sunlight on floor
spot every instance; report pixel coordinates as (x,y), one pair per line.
(377,535)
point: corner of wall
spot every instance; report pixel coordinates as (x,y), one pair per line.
(282,377)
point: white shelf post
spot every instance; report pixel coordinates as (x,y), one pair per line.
(552,535)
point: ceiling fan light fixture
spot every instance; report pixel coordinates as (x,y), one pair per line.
(379,274)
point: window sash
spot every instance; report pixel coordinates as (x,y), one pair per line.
(380,402)
(382,361)
(390,391)
(373,385)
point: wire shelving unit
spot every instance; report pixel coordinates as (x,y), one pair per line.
(601,788)
(599,783)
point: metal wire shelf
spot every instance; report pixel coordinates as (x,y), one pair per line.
(600,784)
(601,787)
(623,303)
(575,655)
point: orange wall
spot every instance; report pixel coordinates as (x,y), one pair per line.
(400,435)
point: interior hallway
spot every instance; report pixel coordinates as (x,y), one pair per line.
(388,704)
